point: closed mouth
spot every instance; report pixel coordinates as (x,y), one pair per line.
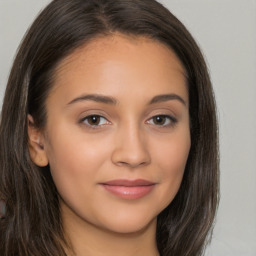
(129,189)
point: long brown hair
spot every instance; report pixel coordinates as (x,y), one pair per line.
(32,224)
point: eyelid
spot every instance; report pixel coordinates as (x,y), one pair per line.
(96,126)
(172,120)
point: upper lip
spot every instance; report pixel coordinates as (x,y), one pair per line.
(129,183)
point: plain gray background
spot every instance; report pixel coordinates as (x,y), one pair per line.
(226,33)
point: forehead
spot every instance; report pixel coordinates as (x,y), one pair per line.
(119,61)
(107,47)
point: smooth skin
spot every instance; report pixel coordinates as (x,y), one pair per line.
(118,109)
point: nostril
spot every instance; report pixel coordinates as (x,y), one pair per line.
(131,164)
(131,160)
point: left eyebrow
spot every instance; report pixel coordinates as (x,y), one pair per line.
(167,97)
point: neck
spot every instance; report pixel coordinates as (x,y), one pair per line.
(87,239)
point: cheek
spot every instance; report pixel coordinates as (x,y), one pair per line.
(75,164)
(174,158)
(71,149)
(171,158)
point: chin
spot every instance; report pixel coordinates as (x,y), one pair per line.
(130,224)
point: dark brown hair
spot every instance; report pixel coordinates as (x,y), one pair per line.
(32,224)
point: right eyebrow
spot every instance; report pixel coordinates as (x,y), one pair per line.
(94,97)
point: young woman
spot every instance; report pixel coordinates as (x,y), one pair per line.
(108,135)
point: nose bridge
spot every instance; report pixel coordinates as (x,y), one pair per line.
(131,145)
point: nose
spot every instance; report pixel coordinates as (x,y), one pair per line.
(131,148)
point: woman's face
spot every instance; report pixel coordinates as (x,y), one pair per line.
(117,136)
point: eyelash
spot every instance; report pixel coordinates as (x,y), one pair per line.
(170,119)
(92,126)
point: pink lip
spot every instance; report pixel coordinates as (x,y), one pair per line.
(129,189)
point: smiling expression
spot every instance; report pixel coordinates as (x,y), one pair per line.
(117,136)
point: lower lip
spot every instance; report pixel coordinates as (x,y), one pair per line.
(130,193)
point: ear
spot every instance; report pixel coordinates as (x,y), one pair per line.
(36,144)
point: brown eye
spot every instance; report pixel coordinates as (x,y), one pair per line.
(162,120)
(95,120)
(159,120)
